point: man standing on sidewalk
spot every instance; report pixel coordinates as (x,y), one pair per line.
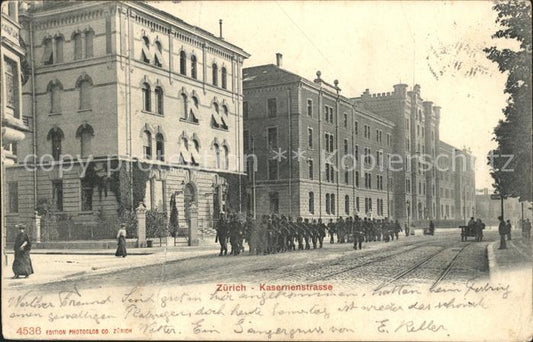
(509,227)
(502,229)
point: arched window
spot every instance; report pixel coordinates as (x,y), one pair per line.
(59,49)
(48,54)
(347,204)
(159,100)
(217,156)
(85,94)
(194,73)
(158,55)
(147,145)
(224,78)
(77,45)
(332,199)
(55,136)
(183,63)
(215,105)
(89,36)
(214,68)
(85,133)
(55,99)
(184,115)
(226,158)
(194,110)
(225,110)
(146,94)
(328,211)
(146,50)
(160,147)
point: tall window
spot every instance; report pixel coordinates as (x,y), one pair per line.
(357,207)
(345,120)
(309,107)
(13,197)
(310,137)
(55,98)
(183,63)
(245,110)
(217,156)
(272,137)
(311,202)
(194,72)
(146,50)
(224,76)
(272,108)
(310,169)
(328,204)
(345,146)
(85,134)
(184,114)
(146,97)
(12,86)
(159,147)
(214,70)
(48,54)
(89,35)
(85,94)
(332,199)
(226,158)
(347,205)
(147,145)
(158,58)
(347,177)
(57,195)
(77,46)
(55,136)
(356,128)
(357,179)
(159,100)
(59,49)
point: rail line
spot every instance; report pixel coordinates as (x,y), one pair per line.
(369,262)
(448,268)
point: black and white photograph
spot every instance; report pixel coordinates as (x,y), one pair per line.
(266,170)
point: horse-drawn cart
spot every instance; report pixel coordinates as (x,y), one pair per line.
(471,231)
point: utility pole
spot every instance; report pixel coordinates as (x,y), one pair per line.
(253,176)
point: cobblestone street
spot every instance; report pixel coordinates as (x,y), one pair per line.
(415,259)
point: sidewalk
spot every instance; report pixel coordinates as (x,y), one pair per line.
(518,256)
(52,265)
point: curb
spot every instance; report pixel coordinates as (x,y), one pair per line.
(493,265)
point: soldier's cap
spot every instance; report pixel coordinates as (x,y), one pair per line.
(123,225)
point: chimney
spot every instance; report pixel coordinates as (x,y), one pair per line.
(279,60)
(220,25)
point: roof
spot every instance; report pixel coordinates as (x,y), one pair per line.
(268,75)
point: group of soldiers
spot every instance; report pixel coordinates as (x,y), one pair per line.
(276,234)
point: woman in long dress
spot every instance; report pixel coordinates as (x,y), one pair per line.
(121,239)
(22,263)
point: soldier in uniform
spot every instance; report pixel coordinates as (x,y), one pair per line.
(331,230)
(359,233)
(249,233)
(502,230)
(348,227)
(293,232)
(300,232)
(222,234)
(340,230)
(397,228)
(234,235)
(284,233)
(307,233)
(314,233)
(321,232)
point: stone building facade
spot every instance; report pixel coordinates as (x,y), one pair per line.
(119,84)
(312,147)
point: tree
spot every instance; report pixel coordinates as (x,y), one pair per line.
(513,133)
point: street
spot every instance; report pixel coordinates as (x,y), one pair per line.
(411,260)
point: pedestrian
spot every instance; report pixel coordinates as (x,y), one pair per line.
(406,228)
(502,230)
(121,241)
(22,263)
(508,227)
(432,227)
(331,230)
(222,235)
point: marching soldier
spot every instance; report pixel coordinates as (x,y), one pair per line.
(293,234)
(234,235)
(331,230)
(314,233)
(307,233)
(397,229)
(249,233)
(222,234)
(340,230)
(300,234)
(321,232)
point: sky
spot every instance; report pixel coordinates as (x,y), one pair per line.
(374,45)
